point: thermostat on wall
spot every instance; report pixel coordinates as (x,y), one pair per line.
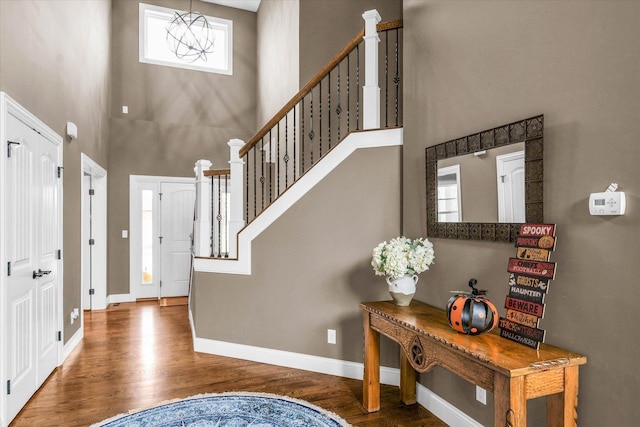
(610,202)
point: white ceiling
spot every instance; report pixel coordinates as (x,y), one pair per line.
(251,5)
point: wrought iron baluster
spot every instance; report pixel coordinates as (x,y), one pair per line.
(226,215)
(246,186)
(311,132)
(386,79)
(338,108)
(320,120)
(286,149)
(302,138)
(396,79)
(329,108)
(262,173)
(278,161)
(348,97)
(270,164)
(358,87)
(295,158)
(255,182)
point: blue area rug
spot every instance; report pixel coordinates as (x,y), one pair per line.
(230,410)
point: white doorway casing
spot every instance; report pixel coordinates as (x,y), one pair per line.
(137,184)
(93,266)
(510,174)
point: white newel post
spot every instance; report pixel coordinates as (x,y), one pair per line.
(236,218)
(202,223)
(371,90)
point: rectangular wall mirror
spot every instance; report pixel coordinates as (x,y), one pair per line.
(483,186)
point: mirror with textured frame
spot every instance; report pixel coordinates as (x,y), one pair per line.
(528,132)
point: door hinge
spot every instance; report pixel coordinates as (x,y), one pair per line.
(59,254)
(92,242)
(60,168)
(160,283)
(160,239)
(502,178)
(59,335)
(160,194)
(9,268)
(8,386)
(92,192)
(92,291)
(9,144)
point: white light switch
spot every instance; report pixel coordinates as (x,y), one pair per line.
(125,109)
(125,234)
(481,395)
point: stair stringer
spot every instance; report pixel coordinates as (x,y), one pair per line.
(353,142)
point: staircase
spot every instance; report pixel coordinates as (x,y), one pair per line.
(345,107)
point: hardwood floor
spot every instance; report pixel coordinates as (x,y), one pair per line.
(138,355)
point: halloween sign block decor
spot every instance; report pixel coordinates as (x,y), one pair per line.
(532,268)
(522,318)
(529,275)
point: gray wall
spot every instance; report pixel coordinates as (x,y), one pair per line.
(175,116)
(474,65)
(54,61)
(312,267)
(326,26)
(278,56)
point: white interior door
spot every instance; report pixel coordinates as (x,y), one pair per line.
(510,171)
(31,231)
(176,207)
(93,238)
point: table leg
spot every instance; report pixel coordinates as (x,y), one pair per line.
(562,408)
(509,401)
(371,380)
(407,380)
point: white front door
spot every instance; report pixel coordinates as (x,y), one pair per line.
(511,202)
(31,241)
(176,228)
(161,210)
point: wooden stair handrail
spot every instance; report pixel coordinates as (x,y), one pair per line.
(383,26)
(217,172)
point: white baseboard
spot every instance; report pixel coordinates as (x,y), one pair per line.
(443,409)
(116,298)
(72,344)
(391,376)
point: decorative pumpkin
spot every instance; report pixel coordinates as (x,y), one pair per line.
(471,313)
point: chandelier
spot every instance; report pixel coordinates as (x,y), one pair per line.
(189,35)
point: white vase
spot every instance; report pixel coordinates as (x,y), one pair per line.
(403,289)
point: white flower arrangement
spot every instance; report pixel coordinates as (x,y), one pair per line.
(402,256)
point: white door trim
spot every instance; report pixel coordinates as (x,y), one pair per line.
(505,211)
(136,184)
(99,271)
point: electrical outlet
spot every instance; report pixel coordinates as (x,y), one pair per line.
(481,395)
(74,315)
(125,109)
(331,336)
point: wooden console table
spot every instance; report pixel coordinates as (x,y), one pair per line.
(513,372)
